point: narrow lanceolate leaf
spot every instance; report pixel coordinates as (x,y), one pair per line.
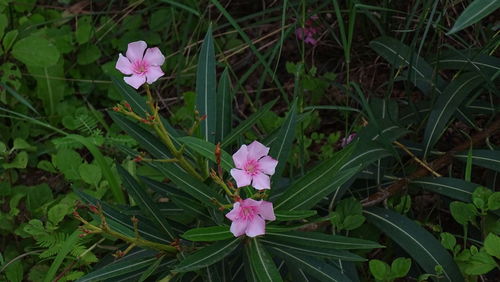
(314,267)
(454,188)
(416,241)
(282,146)
(188,184)
(446,105)
(485,158)
(117,269)
(317,183)
(224,107)
(261,262)
(245,125)
(477,10)
(315,239)
(145,203)
(213,233)
(206,88)
(207,150)
(314,251)
(465,60)
(208,255)
(18,97)
(293,215)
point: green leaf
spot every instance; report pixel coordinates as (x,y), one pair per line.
(316,239)
(224,103)
(379,269)
(492,245)
(312,266)
(477,10)
(494,201)
(3,24)
(322,180)
(66,247)
(145,203)
(150,270)
(244,126)
(20,161)
(9,39)
(90,173)
(18,97)
(416,241)
(116,269)
(446,105)
(207,255)
(400,267)
(88,54)
(448,241)
(282,146)
(206,88)
(206,234)
(57,213)
(485,158)
(182,6)
(261,262)
(480,263)
(314,251)
(465,60)
(207,150)
(83,30)
(36,51)
(454,188)
(293,215)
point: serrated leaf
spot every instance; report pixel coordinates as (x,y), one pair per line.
(261,262)
(282,146)
(316,239)
(212,233)
(476,10)
(207,255)
(207,150)
(454,188)
(416,241)
(485,158)
(145,202)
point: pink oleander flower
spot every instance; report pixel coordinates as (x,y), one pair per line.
(142,66)
(253,166)
(347,140)
(249,217)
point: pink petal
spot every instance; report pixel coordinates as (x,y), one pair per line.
(261,181)
(234,213)
(256,227)
(310,40)
(240,157)
(267,165)
(267,211)
(299,32)
(256,150)
(238,227)
(251,203)
(135,80)
(153,74)
(154,57)
(135,50)
(241,177)
(124,65)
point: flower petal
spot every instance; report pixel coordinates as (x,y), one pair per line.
(235,212)
(267,165)
(153,74)
(154,57)
(124,65)
(241,177)
(267,211)
(238,227)
(135,80)
(240,157)
(135,50)
(261,181)
(249,202)
(256,150)
(256,227)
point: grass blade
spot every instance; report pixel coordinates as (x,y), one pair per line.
(477,10)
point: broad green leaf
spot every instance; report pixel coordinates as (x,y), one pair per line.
(261,262)
(117,269)
(492,245)
(245,125)
(314,267)
(316,239)
(379,269)
(282,146)
(446,105)
(83,30)
(224,104)
(145,203)
(207,150)
(19,161)
(416,241)
(400,267)
(206,89)
(213,233)
(485,158)
(90,173)
(207,255)
(314,251)
(57,213)
(322,180)
(293,215)
(463,213)
(36,51)
(477,10)
(454,188)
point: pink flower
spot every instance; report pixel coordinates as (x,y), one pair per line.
(347,140)
(248,217)
(254,166)
(143,66)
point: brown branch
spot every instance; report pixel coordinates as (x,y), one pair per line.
(436,165)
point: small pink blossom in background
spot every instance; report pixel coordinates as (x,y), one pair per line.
(253,166)
(142,66)
(249,217)
(308,32)
(347,140)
